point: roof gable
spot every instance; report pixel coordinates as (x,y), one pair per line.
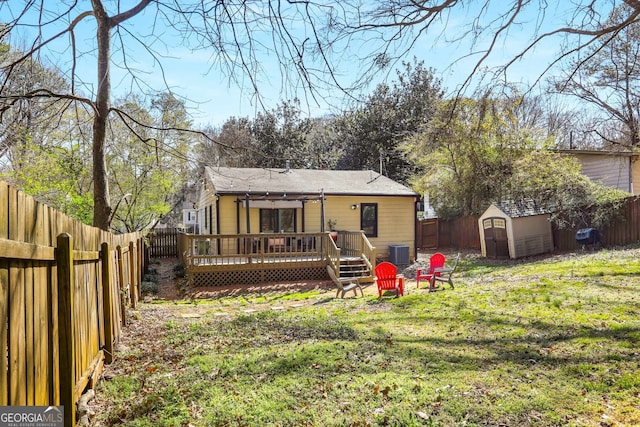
(303,181)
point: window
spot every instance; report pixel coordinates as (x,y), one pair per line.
(277,220)
(369,219)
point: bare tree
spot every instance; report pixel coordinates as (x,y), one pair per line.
(232,32)
(388,29)
(550,122)
(308,38)
(607,77)
(29,117)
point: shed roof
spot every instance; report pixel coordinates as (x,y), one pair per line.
(521,208)
(303,181)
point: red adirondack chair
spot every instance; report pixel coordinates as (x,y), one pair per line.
(437,260)
(387,279)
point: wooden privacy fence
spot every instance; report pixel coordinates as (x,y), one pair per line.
(163,242)
(63,290)
(624,231)
(464,233)
(461,233)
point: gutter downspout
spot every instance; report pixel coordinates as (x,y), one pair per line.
(322,212)
(246,198)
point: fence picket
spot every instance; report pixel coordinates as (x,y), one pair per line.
(17,332)
(29,332)
(122,291)
(4,313)
(132,275)
(107,301)
(41,342)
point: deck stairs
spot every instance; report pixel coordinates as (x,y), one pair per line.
(355,267)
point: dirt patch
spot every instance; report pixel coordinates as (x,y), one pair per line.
(174,288)
(262,288)
(168,283)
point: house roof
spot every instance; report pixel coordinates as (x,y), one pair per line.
(597,152)
(303,182)
(520,208)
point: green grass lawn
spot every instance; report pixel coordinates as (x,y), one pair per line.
(551,342)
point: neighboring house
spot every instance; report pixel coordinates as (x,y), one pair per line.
(189,211)
(514,230)
(425,209)
(189,216)
(255,200)
(616,169)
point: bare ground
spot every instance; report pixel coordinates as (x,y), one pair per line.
(172,288)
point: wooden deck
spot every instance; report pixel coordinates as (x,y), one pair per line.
(222,260)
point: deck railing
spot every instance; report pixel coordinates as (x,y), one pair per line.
(233,249)
(368,253)
(354,244)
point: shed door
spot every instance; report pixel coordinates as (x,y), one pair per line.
(495,237)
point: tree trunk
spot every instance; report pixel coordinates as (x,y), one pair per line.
(102,205)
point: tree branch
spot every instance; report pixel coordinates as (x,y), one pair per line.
(40,94)
(118,19)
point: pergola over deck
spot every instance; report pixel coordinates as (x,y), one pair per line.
(282,200)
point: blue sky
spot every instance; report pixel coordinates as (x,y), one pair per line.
(212,97)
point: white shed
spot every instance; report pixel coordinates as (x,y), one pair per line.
(514,230)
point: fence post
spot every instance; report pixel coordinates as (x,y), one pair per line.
(66,317)
(121,288)
(107,300)
(146,255)
(133,280)
(140,252)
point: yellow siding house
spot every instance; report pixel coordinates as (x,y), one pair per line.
(257,200)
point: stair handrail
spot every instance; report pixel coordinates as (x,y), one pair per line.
(333,251)
(368,252)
